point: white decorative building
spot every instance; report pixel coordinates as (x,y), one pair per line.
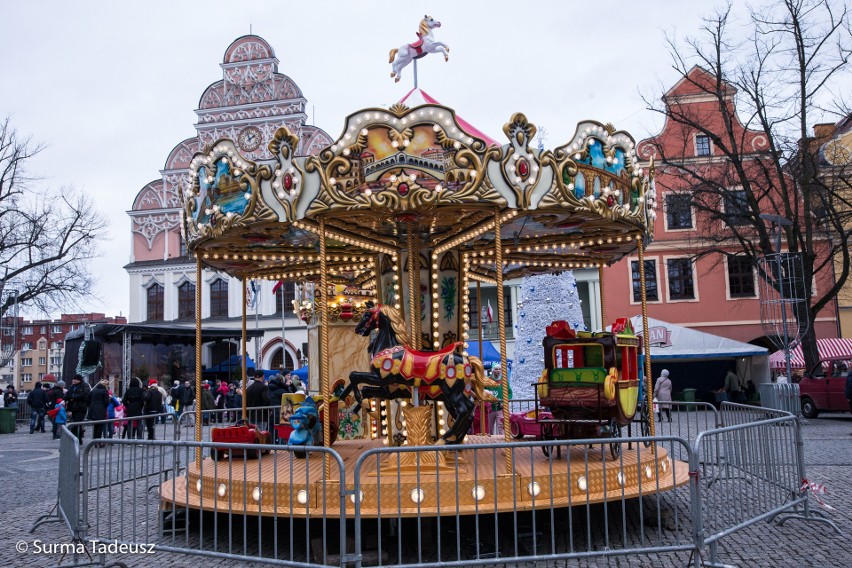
(247,105)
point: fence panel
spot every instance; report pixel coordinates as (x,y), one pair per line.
(751,471)
(69,481)
(549,509)
(781,396)
(281,509)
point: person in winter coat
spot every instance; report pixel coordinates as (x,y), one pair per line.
(233,400)
(207,402)
(113,404)
(153,404)
(77,403)
(60,417)
(663,394)
(37,400)
(98,407)
(219,399)
(176,393)
(732,387)
(10,397)
(278,386)
(848,391)
(187,397)
(257,395)
(133,400)
(53,396)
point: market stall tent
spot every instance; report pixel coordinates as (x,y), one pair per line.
(700,360)
(827,347)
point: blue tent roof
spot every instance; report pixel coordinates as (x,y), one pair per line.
(231,363)
(489,353)
(301,373)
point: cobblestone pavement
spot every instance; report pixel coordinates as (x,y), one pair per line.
(29,475)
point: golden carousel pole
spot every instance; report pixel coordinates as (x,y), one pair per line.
(501,324)
(482,421)
(198,355)
(601,295)
(244,365)
(646,340)
(324,354)
(413,287)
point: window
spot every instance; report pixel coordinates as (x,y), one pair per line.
(43,329)
(155,302)
(57,329)
(26,362)
(42,344)
(284,297)
(678,211)
(702,145)
(740,277)
(41,376)
(28,330)
(186,301)
(651,291)
(681,283)
(219,299)
(42,361)
(183,251)
(27,377)
(736,207)
(473,310)
(26,346)
(56,361)
(55,344)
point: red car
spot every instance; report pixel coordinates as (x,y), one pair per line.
(822,390)
(523,424)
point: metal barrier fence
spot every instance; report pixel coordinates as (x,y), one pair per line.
(548,510)
(781,396)
(378,506)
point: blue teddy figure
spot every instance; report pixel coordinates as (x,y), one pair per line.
(307,429)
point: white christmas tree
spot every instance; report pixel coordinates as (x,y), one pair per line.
(543,300)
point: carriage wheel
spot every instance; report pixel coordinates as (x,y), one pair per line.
(546,434)
(515,430)
(645,424)
(614,447)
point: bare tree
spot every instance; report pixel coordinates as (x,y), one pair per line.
(47,238)
(784,72)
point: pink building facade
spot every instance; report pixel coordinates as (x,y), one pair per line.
(714,294)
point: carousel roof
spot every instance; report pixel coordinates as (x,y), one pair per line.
(421,172)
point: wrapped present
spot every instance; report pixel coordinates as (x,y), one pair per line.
(561,329)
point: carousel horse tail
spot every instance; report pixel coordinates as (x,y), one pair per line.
(480,381)
(393,53)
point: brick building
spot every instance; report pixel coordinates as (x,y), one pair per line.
(717,293)
(41,347)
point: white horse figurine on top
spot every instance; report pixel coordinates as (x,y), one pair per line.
(405,54)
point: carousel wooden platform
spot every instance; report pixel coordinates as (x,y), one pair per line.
(476,482)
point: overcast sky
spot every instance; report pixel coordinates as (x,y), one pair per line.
(111,87)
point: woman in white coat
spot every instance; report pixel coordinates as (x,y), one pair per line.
(663,394)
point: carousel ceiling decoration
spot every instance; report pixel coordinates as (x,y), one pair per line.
(405,171)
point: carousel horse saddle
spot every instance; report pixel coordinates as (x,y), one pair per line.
(417,47)
(420,365)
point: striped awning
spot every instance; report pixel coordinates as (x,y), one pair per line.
(829,347)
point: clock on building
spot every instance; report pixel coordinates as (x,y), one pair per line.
(249,138)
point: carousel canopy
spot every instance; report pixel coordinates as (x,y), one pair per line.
(399,175)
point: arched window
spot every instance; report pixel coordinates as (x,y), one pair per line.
(275,362)
(186,301)
(155,302)
(219,299)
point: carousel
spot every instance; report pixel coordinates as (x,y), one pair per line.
(386,231)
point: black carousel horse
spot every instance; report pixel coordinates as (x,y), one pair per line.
(446,375)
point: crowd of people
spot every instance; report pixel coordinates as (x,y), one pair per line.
(142,406)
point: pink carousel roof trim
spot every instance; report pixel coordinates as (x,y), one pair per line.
(417,97)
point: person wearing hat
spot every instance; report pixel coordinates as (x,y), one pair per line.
(10,397)
(257,396)
(60,416)
(98,407)
(77,401)
(152,404)
(207,402)
(53,395)
(133,403)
